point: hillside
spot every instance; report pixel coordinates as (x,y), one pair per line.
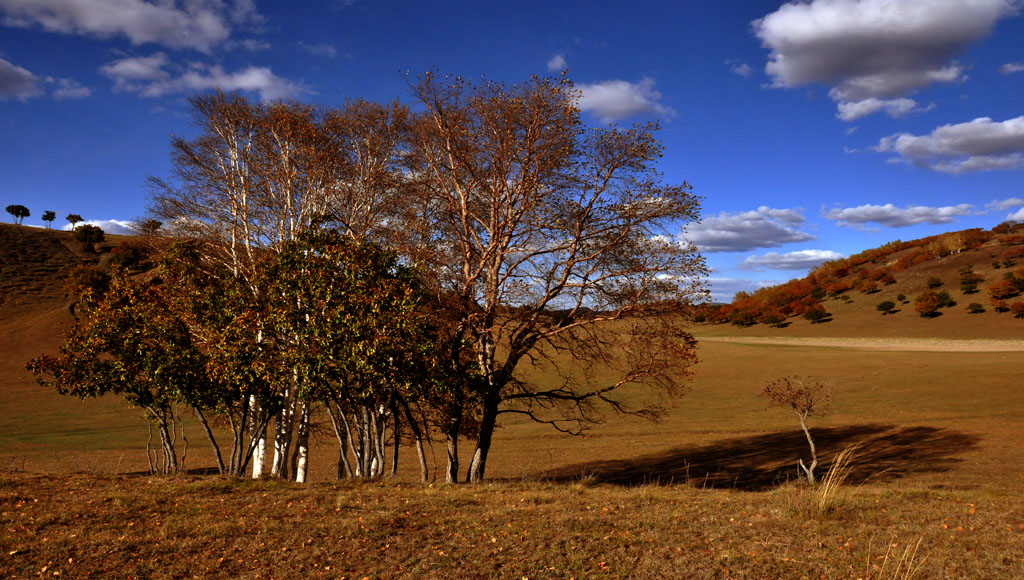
(964,265)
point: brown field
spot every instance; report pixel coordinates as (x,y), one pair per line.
(936,406)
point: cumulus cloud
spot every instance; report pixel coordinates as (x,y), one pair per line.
(800,260)
(739,67)
(1005,204)
(1011,67)
(882,49)
(149,77)
(1017,216)
(115,227)
(616,100)
(764,227)
(896,217)
(17,83)
(323,49)
(196,24)
(557,63)
(978,145)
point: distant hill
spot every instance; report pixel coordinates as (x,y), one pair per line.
(975,278)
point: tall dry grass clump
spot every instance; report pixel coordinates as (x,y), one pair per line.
(905,564)
(827,492)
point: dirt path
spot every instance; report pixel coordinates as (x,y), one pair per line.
(903,344)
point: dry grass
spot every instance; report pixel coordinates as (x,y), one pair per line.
(827,491)
(145,527)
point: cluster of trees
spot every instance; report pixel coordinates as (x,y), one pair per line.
(396,269)
(20,212)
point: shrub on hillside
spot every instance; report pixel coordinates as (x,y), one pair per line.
(945,300)
(89,235)
(815,313)
(1017,308)
(1003,290)
(975,308)
(130,255)
(934,282)
(885,307)
(927,304)
(999,305)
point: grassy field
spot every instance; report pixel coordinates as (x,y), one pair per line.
(708,491)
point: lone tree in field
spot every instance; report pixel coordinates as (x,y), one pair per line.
(73,218)
(885,307)
(48,217)
(807,398)
(19,212)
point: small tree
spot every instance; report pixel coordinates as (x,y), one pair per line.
(806,398)
(934,282)
(19,212)
(73,218)
(885,307)
(1017,308)
(927,304)
(815,313)
(901,298)
(945,300)
(48,217)
(975,308)
(148,227)
(89,235)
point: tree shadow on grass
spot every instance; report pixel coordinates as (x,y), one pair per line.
(760,462)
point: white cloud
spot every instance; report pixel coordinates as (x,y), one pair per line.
(115,227)
(853,110)
(1011,67)
(197,24)
(741,232)
(895,217)
(250,44)
(800,260)
(978,145)
(557,63)
(319,49)
(147,76)
(70,89)
(739,67)
(1005,204)
(17,83)
(880,49)
(616,100)
(1017,216)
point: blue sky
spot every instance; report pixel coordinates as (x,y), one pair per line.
(812,129)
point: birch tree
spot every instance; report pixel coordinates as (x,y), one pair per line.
(559,243)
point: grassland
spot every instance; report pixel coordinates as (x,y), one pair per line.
(706,492)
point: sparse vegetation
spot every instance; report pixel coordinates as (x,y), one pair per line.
(933,282)
(885,307)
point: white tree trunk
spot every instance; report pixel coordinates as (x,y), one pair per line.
(259,456)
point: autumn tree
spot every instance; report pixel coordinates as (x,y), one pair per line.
(927,304)
(805,397)
(48,217)
(128,343)
(528,213)
(18,212)
(258,175)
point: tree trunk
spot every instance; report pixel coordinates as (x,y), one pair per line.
(301,457)
(258,433)
(483,442)
(283,439)
(213,441)
(344,468)
(814,452)
(417,435)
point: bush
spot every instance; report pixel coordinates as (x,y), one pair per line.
(89,235)
(927,304)
(934,282)
(945,300)
(130,256)
(901,298)
(975,308)
(815,313)
(1017,308)
(885,307)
